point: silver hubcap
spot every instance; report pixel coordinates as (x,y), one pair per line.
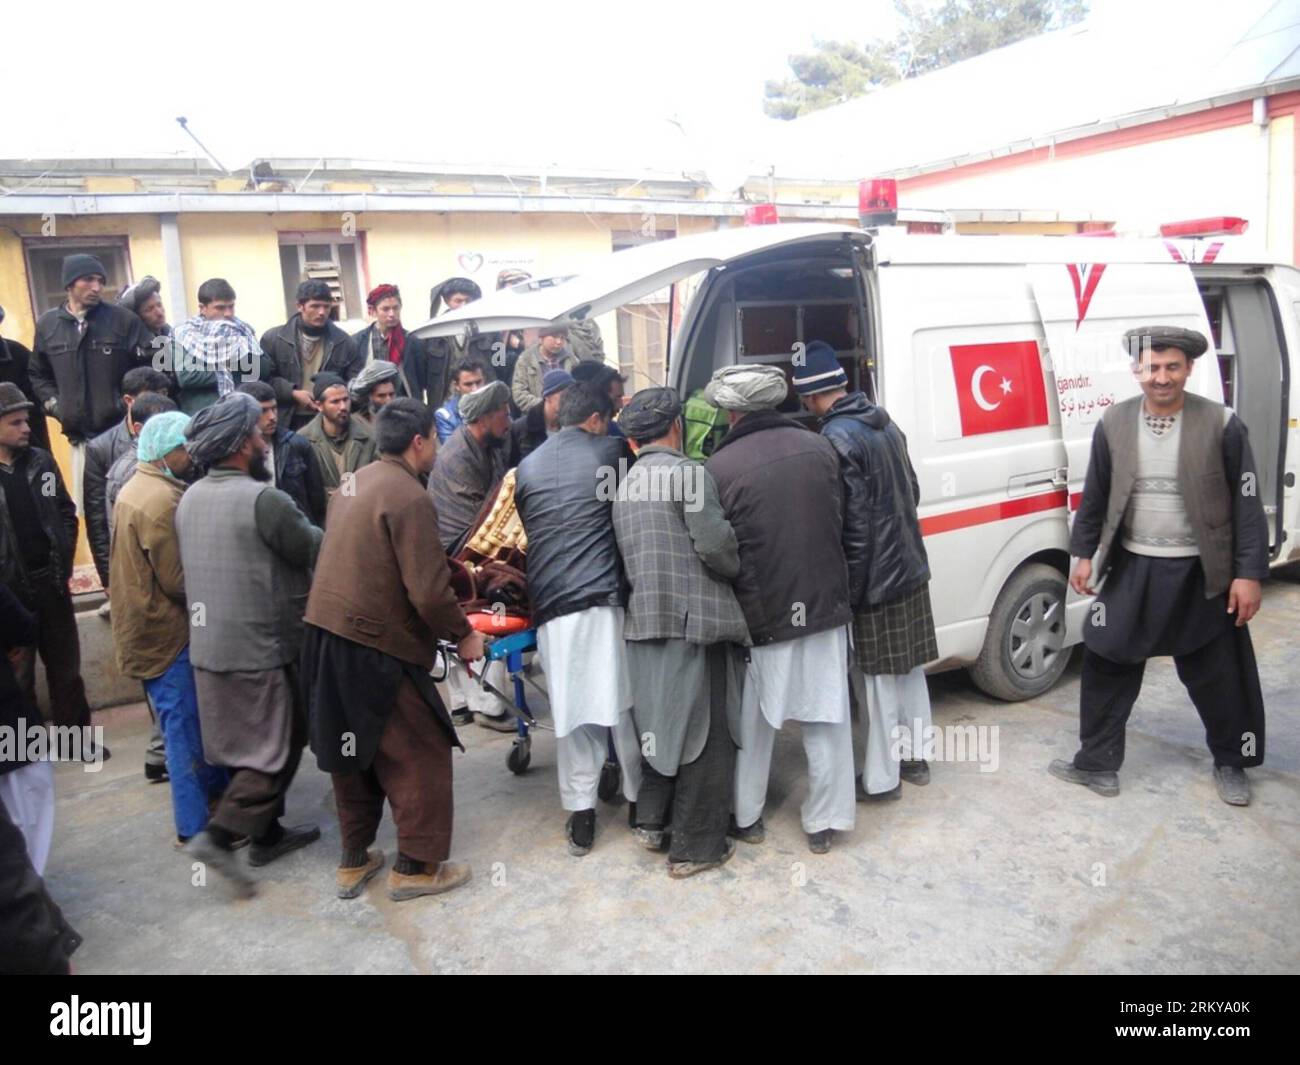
(1037,634)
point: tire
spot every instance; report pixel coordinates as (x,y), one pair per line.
(1024,652)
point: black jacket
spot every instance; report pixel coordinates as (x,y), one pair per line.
(15,362)
(284,367)
(298,474)
(882,535)
(58,519)
(780,488)
(424,365)
(82,372)
(564,492)
(527,434)
(101,453)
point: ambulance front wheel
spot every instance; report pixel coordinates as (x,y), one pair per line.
(1024,650)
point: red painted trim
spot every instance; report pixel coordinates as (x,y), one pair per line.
(1075,499)
(1163,129)
(1012,508)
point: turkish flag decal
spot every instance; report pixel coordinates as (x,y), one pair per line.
(999,386)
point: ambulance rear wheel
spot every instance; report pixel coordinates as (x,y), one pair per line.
(1024,650)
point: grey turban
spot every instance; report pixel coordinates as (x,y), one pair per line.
(747,388)
(375,373)
(473,405)
(650,414)
(220,430)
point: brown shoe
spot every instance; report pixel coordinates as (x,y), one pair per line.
(351,881)
(403,886)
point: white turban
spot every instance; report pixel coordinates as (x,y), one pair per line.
(747,388)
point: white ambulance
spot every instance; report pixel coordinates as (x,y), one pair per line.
(996,355)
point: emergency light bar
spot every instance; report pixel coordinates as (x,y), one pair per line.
(877,202)
(1222,226)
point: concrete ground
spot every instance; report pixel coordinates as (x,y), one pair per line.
(1004,871)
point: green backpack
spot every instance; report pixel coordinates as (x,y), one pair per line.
(706,425)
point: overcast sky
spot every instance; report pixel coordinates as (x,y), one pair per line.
(529,82)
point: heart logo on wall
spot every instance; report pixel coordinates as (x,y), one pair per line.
(470,262)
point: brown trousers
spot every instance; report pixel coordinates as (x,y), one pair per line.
(59,646)
(412,769)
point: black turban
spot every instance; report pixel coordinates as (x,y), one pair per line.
(218,431)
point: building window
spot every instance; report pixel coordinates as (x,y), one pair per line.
(45,267)
(327,257)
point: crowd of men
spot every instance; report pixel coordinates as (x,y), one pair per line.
(278,523)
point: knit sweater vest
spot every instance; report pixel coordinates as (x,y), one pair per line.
(1155,521)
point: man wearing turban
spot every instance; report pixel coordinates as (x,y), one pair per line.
(247,553)
(780,487)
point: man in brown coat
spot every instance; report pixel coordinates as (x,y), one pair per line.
(380,599)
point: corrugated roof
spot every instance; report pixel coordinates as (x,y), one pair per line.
(1126,60)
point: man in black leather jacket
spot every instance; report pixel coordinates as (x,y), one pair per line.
(889,574)
(564,492)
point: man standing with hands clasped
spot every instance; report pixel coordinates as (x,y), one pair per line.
(1171,517)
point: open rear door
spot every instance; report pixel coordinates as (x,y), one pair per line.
(626,275)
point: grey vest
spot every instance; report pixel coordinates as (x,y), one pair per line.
(1207,496)
(246,603)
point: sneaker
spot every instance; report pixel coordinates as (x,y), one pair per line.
(448,875)
(914,771)
(462,716)
(203,848)
(497,723)
(156,774)
(350,882)
(820,842)
(681,870)
(1102,781)
(580,829)
(753,834)
(291,840)
(1232,784)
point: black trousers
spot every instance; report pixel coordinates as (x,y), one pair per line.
(1222,680)
(59,646)
(696,802)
